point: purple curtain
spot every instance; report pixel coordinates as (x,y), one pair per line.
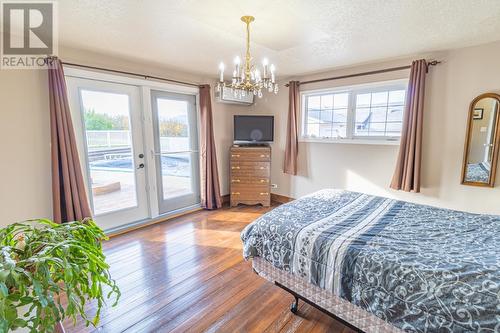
(69,196)
(407,174)
(292,145)
(210,188)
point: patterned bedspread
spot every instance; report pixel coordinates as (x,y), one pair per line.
(421,268)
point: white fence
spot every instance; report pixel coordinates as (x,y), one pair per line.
(103,139)
(114,139)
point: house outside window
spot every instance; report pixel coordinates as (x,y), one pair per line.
(366,113)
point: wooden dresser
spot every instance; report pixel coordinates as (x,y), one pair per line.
(250,175)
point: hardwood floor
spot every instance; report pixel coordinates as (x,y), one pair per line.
(188,275)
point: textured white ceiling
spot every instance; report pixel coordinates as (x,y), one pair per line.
(299,36)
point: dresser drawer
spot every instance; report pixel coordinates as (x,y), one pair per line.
(235,179)
(250,154)
(250,169)
(253,188)
(240,192)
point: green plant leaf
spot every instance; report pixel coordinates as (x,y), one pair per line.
(19,323)
(25,300)
(10,313)
(4,291)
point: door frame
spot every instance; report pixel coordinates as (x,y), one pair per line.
(145,88)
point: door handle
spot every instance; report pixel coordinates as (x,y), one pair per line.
(141,166)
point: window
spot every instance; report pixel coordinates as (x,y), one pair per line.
(369,112)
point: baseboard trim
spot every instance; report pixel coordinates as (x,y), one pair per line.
(280,198)
(141,224)
(144,223)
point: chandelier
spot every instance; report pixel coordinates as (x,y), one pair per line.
(247,79)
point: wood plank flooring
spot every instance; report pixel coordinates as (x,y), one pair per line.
(188,275)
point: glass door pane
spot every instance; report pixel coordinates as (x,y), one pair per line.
(108,127)
(109,150)
(176,150)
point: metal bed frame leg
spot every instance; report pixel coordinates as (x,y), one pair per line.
(294,307)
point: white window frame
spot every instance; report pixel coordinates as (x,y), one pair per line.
(351,109)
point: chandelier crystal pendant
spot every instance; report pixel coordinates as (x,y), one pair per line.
(247,79)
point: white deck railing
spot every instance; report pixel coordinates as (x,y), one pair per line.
(111,138)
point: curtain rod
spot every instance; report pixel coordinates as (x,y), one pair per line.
(386,70)
(146,77)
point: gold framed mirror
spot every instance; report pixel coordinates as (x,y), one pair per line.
(482,141)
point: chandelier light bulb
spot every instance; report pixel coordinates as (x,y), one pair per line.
(221,72)
(257,75)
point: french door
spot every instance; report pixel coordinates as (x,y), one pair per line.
(117,159)
(176,150)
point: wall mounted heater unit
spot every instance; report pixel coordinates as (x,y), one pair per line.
(225,95)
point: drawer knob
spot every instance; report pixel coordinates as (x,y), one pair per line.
(235,193)
(235,155)
(235,167)
(262,168)
(264,180)
(264,155)
(235,180)
(264,193)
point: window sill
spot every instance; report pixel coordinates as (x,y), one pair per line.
(380,142)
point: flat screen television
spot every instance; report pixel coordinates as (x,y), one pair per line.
(253,129)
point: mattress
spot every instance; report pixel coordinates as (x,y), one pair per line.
(419,268)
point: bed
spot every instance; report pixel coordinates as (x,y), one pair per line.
(382,265)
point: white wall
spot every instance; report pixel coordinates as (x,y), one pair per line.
(25,175)
(25,185)
(464,74)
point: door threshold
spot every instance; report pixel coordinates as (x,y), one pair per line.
(112,232)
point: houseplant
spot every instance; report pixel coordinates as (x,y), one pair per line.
(49,271)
